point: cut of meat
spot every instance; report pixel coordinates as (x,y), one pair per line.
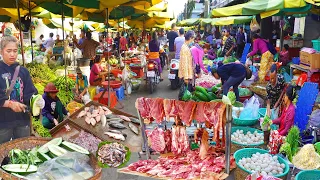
(157,140)
(180,142)
(144,108)
(168,140)
(200,115)
(156,109)
(170,109)
(204,144)
(186,111)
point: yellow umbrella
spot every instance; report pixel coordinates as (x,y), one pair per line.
(12,13)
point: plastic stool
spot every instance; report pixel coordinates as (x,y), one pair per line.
(104,100)
(120,93)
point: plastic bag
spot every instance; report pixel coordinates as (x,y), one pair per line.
(251,109)
(184,93)
(72,166)
(254,25)
(315,118)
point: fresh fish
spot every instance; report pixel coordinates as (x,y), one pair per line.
(135,120)
(115,136)
(81,114)
(111,116)
(134,128)
(103,120)
(117,125)
(124,118)
(115,121)
(114,131)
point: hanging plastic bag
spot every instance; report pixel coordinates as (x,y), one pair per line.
(254,25)
(187,94)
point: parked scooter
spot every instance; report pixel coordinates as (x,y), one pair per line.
(153,75)
(175,81)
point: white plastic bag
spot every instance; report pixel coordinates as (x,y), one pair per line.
(251,109)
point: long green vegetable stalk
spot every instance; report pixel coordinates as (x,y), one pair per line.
(41,73)
(65,94)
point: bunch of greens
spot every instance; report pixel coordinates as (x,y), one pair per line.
(232,97)
(290,147)
(38,127)
(29,157)
(265,124)
(39,87)
(244,92)
(41,73)
(65,85)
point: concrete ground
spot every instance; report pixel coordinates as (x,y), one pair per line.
(128,105)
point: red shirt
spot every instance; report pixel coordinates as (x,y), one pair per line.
(109,40)
(123,44)
(94,73)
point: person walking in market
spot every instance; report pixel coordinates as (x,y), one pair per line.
(88,46)
(186,65)
(16,91)
(275,91)
(178,42)
(229,44)
(54,111)
(231,75)
(154,48)
(171,36)
(261,45)
(240,39)
(197,54)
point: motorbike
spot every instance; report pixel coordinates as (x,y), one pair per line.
(175,81)
(153,75)
(163,56)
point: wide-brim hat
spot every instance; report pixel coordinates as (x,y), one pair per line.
(51,88)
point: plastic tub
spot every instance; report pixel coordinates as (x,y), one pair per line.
(262,111)
(308,175)
(316,44)
(245,122)
(113,84)
(81,62)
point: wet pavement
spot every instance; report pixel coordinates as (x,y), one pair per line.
(128,105)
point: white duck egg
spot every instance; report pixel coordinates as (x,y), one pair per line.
(280,169)
(241,131)
(264,173)
(282,166)
(270,174)
(275,157)
(274,172)
(247,166)
(263,165)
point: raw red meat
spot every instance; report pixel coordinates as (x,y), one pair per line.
(143,106)
(180,142)
(204,144)
(168,140)
(157,140)
(186,111)
(200,115)
(170,109)
(156,109)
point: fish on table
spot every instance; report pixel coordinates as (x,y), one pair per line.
(117,125)
(135,120)
(134,128)
(115,135)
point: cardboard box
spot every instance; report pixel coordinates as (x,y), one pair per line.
(310,60)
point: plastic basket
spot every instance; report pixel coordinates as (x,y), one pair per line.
(245,130)
(262,112)
(245,122)
(308,175)
(248,152)
(316,44)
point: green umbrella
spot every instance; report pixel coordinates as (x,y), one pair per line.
(121,12)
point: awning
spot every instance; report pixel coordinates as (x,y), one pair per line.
(254,7)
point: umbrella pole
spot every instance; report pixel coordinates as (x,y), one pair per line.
(107,24)
(64,47)
(31,31)
(20,31)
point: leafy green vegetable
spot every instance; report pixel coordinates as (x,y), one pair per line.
(65,86)
(41,73)
(39,87)
(232,97)
(286,149)
(244,92)
(293,138)
(38,127)
(265,125)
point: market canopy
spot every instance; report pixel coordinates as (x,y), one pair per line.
(216,21)
(314,2)
(253,7)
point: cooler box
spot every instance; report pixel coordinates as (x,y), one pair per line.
(104,100)
(120,93)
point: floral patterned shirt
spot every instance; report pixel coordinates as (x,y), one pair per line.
(186,63)
(274,92)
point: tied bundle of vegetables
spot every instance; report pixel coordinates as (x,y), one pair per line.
(293,138)
(286,149)
(64,86)
(244,92)
(39,87)
(38,127)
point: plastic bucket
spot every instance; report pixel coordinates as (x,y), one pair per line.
(81,62)
(316,44)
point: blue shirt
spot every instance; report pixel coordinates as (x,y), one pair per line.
(231,70)
(49,108)
(83,82)
(171,36)
(210,39)
(178,42)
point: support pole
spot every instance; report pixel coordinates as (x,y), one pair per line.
(144,135)
(63,39)
(31,30)
(281,33)
(228,137)
(107,24)
(20,31)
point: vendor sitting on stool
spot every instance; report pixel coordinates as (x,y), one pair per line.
(286,120)
(231,74)
(53,111)
(97,73)
(274,89)
(81,84)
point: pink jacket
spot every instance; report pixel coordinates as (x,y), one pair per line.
(286,120)
(197,55)
(259,45)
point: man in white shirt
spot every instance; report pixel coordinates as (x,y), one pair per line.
(39,40)
(49,42)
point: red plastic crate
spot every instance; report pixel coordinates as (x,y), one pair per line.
(139,72)
(104,100)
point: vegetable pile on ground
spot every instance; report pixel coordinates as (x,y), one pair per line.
(27,161)
(112,154)
(307,158)
(244,92)
(247,138)
(290,147)
(263,163)
(202,94)
(206,81)
(38,127)
(65,89)
(41,73)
